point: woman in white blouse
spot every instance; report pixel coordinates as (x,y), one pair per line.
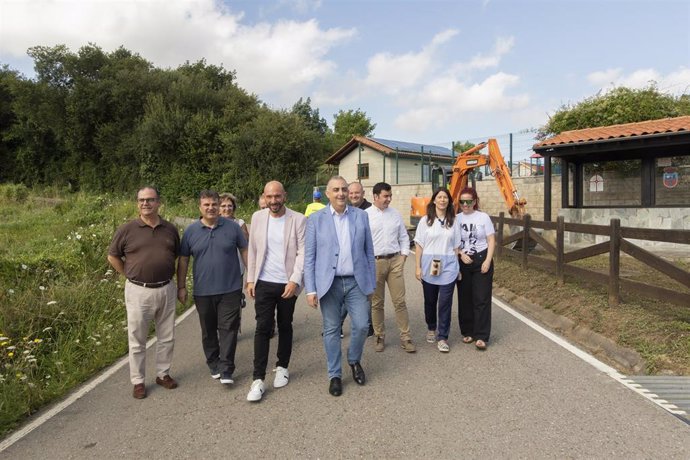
(477,270)
(436,242)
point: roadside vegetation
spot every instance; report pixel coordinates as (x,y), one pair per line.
(62,315)
(659,331)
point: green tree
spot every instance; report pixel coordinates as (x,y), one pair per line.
(620,105)
(351,123)
(462,146)
(311,116)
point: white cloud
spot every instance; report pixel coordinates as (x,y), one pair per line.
(502,46)
(268,57)
(677,82)
(446,98)
(394,73)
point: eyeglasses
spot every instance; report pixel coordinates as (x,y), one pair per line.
(147,200)
(466,202)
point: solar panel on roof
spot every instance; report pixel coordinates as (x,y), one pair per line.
(413,148)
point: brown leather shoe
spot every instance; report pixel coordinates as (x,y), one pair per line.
(166,382)
(408,346)
(139,391)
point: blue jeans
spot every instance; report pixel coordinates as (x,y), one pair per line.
(441,296)
(343,297)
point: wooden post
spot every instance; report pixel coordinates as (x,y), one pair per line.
(614,262)
(525,240)
(560,249)
(499,235)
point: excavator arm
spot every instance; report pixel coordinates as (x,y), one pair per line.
(471,159)
(459,175)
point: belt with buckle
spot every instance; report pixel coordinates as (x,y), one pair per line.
(150,285)
(386,256)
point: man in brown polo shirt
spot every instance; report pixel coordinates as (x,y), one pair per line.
(144,251)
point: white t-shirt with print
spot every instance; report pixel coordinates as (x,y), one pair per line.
(475,227)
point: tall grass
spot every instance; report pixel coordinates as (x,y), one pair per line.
(62,314)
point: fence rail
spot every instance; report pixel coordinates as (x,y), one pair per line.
(618,242)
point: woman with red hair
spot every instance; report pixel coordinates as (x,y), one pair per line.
(478,241)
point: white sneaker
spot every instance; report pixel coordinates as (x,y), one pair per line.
(256,391)
(282,377)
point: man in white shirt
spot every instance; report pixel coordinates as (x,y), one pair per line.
(391,248)
(275,269)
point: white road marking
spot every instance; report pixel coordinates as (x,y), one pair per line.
(59,407)
(589,359)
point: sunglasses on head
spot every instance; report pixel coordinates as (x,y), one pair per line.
(466,202)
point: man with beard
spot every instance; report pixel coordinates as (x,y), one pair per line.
(274,279)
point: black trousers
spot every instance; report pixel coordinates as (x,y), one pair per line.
(474,294)
(219,316)
(268,300)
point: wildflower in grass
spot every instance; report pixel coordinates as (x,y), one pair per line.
(61,313)
(10,354)
(38,340)
(52,302)
(98,343)
(2,344)
(24,267)
(48,377)
(2,337)
(42,288)
(11,347)
(32,360)
(26,352)
(31,385)
(11,291)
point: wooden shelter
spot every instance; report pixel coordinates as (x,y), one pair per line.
(639,166)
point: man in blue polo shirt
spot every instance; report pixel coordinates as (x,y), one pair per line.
(213,241)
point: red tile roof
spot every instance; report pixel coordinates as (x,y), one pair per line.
(603,133)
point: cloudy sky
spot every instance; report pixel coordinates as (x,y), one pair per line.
(423,70)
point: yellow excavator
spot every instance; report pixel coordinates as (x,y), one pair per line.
(456,178)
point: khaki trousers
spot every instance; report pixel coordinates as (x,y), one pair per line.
(390,271)
(143,306)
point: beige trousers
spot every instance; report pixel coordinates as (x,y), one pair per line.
(390,271)
(143,306)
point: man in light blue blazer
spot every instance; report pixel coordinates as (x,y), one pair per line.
(340,275)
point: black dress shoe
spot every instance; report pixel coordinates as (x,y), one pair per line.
(336,386)
(358,373)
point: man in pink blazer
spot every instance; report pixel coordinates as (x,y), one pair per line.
(275,268)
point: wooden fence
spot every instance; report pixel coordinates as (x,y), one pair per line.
(618,241)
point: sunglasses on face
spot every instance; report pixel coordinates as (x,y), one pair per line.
(466,202)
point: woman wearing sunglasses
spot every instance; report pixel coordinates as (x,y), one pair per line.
(477,270)
(436,243)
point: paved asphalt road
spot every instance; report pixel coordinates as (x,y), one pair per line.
(525,397)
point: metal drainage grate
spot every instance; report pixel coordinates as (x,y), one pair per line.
(670,392)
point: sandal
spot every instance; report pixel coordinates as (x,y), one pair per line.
(431,336)
(467,339)
(480,344)
(443,346)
